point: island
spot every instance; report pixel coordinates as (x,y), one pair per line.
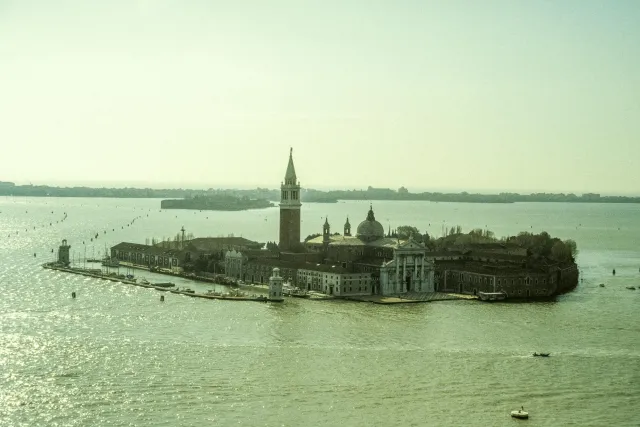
(216,203)
(309,195)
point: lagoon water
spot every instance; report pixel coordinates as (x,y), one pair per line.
(116,356)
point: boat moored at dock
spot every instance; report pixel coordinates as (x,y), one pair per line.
(492,296)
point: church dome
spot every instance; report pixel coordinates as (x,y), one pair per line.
(370,229)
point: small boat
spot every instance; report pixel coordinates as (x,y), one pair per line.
(492,296)
(602,285)
(144,282)
(631,288)
(164,285)
(521,414)
(541,354)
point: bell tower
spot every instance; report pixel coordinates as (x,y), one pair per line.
(347,228)
(326,231)
(290,209)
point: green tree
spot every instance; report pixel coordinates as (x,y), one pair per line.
(404,231)
(560,252)
(312,236)
(573,247)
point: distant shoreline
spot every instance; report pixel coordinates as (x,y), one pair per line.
(308,195)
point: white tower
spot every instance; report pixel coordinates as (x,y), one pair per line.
(275,286)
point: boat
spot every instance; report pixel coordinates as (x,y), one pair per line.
(602,285)
(492,296)
(144,282)
(631,288)
(520,413)
(541,354)
(164,285)
(94,260)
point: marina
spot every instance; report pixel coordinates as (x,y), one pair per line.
(163,287)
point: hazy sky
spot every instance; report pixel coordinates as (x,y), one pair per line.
(470,95)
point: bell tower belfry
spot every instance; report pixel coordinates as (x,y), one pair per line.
(290,209)
(347,228)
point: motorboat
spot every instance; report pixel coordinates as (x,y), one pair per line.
(632,288)
(521,414)
(541,354)
(492,296)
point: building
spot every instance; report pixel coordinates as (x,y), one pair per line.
(395,266)
(63,253)
(148,256)
(275,286)
(364,264)
(333,280)
(502,268)
(290,210)
(175,255)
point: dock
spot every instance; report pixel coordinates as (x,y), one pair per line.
(416,298)
(94,273)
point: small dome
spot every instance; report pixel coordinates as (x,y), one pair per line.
(370,229)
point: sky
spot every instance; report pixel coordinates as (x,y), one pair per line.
(482,96)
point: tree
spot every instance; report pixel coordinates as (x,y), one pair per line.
(312,236)
(573,247)
(405,231)
(560,252)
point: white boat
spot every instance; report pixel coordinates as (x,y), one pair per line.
(523,415)
(492,296)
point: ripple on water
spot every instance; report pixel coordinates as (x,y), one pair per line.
(116,356)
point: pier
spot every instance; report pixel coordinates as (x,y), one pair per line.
(410,298)
(97,274)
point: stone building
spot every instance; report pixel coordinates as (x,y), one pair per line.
(364,264)
(275,286)
(63,253)
(509,271)
(290,210)
(148,256)
(395,266)
(333,280)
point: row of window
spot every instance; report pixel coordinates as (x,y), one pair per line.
(485,280)
(126,256)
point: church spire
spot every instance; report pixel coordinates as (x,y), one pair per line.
(290,177)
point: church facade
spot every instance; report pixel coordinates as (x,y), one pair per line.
(342,265)
(396,266)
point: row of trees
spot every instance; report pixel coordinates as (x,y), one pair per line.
(537,245)
(169,243)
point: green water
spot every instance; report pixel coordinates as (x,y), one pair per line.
(117,356)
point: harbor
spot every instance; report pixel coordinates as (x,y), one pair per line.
(233,295)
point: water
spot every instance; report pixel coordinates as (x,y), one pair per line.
(117,356)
